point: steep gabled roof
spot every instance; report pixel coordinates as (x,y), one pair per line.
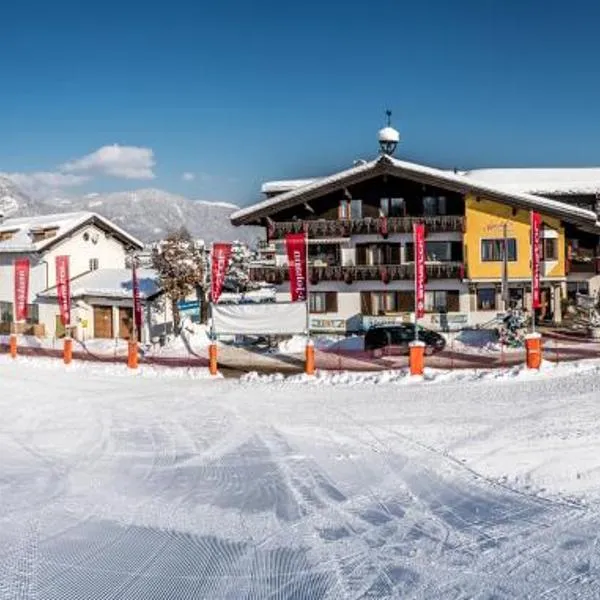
(456,182)
(64,224)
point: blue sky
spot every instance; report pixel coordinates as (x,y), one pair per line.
(238,92)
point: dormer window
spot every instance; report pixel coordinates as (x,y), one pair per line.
(43,233)
(7,234)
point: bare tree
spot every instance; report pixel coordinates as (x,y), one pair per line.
(179,261)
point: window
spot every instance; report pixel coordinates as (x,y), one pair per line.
(329,254)
(393,207)
(33,314)
(434,205)
(493,250)
(356,209)
(7,234)
(381,303)
(549,249)
(6,312)
(437,252)
(577,287)
(43,233)
(344,209)
(486,299)
(350,209)
(93,264)
(442,301)
(377,254)
(322,302)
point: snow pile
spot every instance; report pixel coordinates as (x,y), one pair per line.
(433,376)
(476,341)
(297,344)
(105,369)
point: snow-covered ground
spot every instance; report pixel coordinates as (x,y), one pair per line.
(470,485)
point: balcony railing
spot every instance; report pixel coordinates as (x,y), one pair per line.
(323,228)
(349,274)
(583,265)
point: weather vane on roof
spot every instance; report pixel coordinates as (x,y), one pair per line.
(388,114)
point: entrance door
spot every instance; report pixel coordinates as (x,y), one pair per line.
(125,322)
(103,327)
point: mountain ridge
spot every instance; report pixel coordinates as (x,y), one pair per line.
(148,213)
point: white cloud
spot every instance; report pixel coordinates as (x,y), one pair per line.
(187,176)
(126,162)
(51,179)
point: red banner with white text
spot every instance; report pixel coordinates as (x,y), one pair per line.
(295,245)
(420,275)
(536,251)
(137,303)
(21,267)
(221,255)
(63,289)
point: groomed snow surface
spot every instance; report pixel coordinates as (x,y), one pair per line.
(115,484)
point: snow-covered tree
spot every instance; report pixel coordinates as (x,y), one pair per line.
(180,264)
(238,274)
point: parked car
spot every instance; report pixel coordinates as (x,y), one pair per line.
(395,339)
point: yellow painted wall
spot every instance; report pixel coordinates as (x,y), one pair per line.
(484,220)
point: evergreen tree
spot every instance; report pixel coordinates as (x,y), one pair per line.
(180,264)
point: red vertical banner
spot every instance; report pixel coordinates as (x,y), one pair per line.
(420,275)
(21,267)
(137,302)
(536,252)
(221,255)
(295,245)
(63,289)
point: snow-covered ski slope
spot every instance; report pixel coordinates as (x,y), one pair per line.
(132,487)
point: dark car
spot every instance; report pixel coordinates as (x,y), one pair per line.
(395,339)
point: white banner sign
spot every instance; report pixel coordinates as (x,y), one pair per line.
(278,318)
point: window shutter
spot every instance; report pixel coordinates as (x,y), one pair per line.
(361,255)
(456,251)
(452,301)
(331,302)
(406,301)
(366,307)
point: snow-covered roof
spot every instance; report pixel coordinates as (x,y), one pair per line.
(111,283)
(560,181)
(277,187)
(384,164)
(22,229)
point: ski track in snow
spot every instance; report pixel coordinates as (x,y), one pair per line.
(115,487)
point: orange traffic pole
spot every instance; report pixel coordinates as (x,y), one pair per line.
(416,360)
(68,350)
(309,368)
(13,345)
(212,358)
(533,348)
(132,354)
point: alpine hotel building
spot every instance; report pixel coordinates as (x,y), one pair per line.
(360,250)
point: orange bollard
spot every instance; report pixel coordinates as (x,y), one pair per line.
(309,368)
(68,351)
(13,345)
(132,355)
(533,347)
(416,359)
(212,359)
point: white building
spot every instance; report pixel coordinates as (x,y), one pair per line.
(102,306)
(91,242)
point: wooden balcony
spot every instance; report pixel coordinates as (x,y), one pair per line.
(324,228)
(583,265)
(349,274)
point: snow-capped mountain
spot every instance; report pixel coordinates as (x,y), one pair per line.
(15,201)
(149,214)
